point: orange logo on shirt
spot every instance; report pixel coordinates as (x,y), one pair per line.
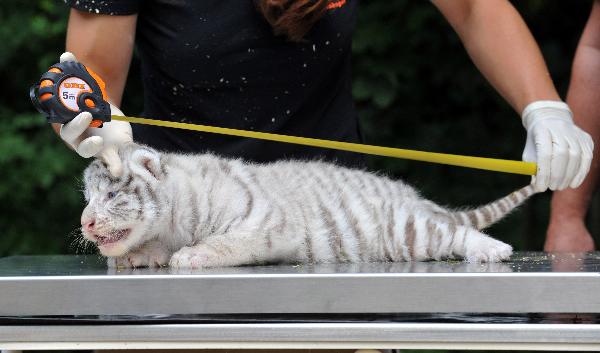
(336,4)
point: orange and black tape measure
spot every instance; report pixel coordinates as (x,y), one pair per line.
(67,89)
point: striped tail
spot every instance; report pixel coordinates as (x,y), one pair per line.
(484,216)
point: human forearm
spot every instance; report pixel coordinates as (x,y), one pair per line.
(105,44)
(583,98)
(503,49)
(505,52)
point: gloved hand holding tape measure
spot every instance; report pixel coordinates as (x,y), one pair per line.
(79,103)
(562,151)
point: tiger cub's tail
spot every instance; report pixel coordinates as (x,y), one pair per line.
(486,215)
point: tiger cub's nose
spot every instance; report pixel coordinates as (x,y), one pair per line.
(88,223)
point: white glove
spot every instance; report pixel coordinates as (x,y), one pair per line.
(562,151)
(99,142)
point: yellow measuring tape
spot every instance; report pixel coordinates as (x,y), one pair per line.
(498,165)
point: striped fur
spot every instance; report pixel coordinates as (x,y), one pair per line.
(484,216)
(205,211)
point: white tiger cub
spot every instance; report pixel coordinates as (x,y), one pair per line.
(194,211)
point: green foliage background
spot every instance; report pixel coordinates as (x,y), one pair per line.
(414,86)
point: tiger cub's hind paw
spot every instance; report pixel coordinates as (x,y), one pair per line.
(487,249)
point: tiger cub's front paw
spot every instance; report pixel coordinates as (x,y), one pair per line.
(152,255)
(198,256)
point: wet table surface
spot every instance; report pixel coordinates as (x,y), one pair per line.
(92,265)
(83,285)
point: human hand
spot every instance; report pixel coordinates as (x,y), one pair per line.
(562,151)
(99,142)
(568,234)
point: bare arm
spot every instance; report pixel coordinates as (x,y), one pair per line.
(105,44)
(567,231)
(502,47)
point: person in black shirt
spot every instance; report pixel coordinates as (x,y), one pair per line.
(283,66)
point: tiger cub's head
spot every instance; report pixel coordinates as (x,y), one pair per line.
(121,211)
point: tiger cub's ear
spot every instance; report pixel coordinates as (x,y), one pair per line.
(146,164)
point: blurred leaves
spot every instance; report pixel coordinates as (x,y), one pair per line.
(39,199)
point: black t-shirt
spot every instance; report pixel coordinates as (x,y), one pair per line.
(217,62)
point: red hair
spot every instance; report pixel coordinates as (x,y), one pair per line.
(292,18)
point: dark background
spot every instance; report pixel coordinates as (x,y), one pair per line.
(414,86)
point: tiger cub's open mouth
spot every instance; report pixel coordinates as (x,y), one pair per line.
(112,237)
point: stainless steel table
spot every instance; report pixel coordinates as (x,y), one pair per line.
(534,301)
